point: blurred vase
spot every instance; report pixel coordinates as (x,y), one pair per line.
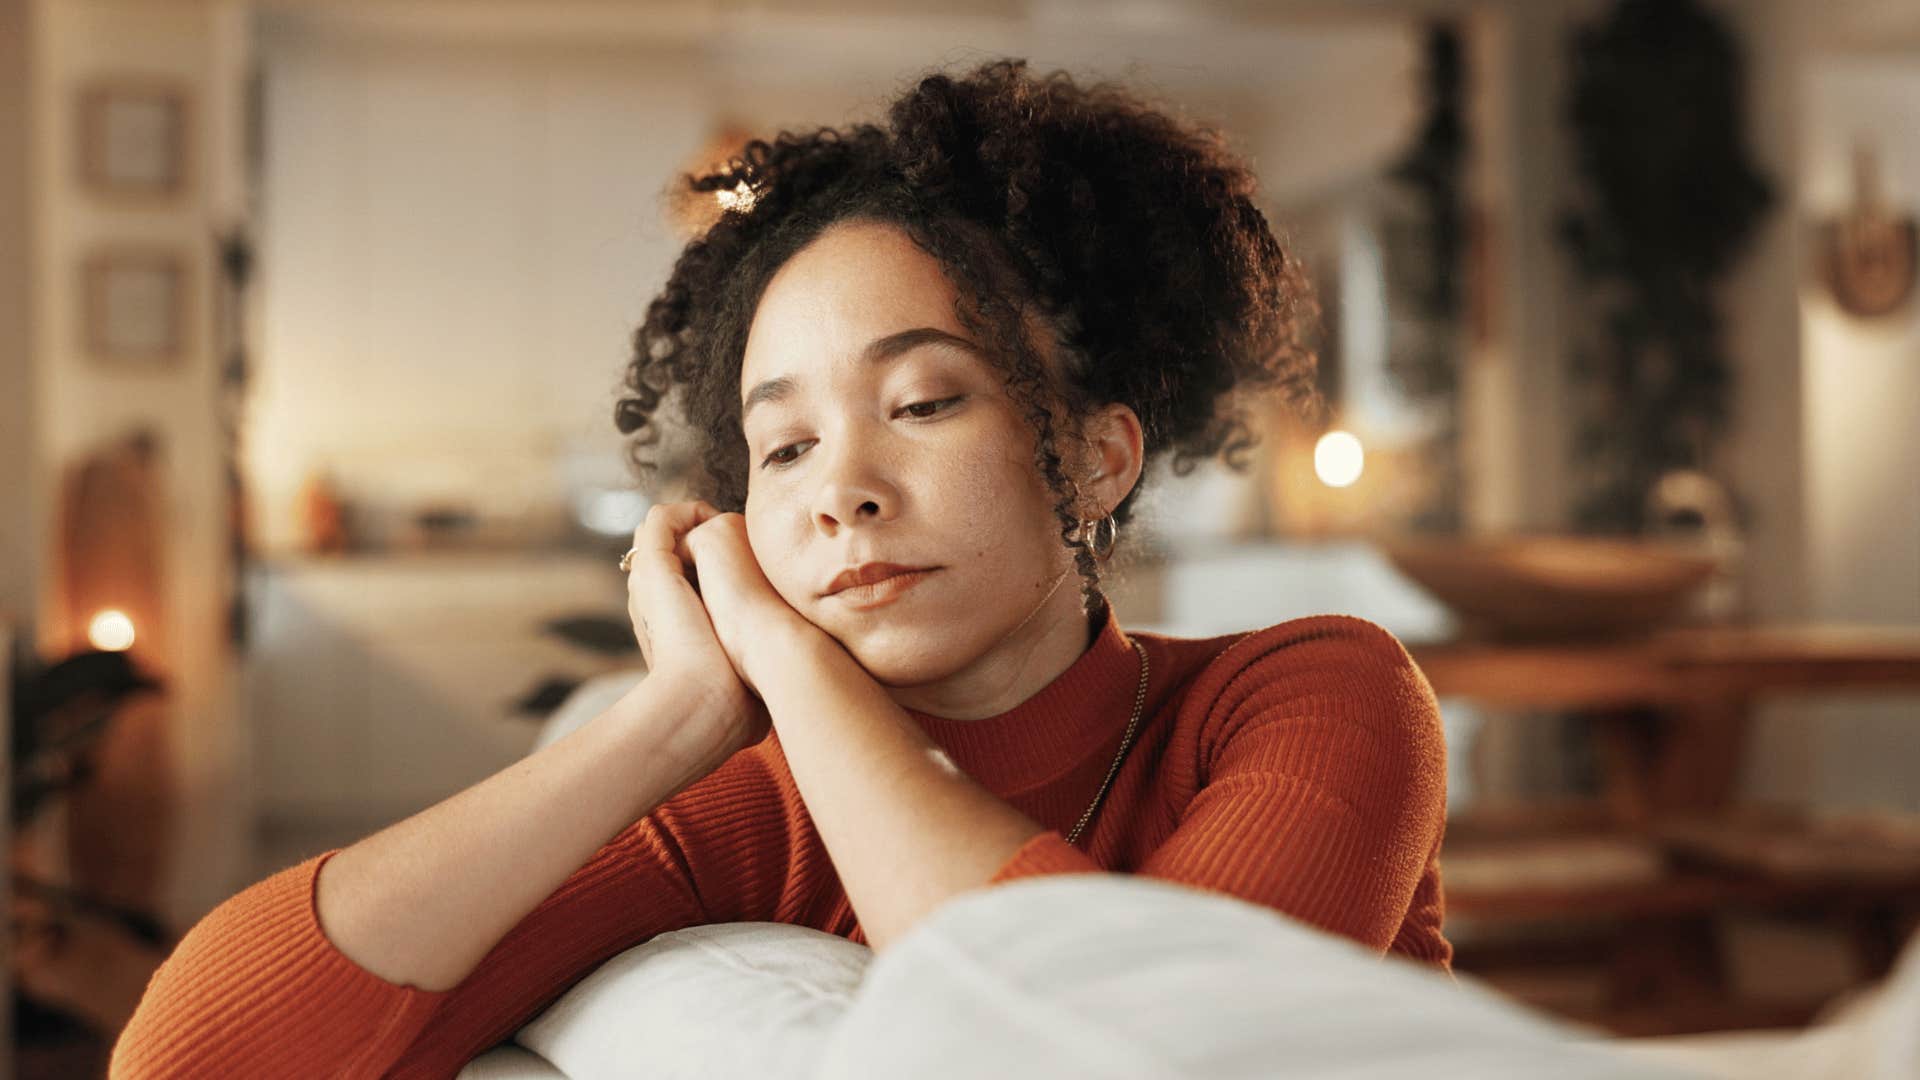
(1690,509)
(323,516)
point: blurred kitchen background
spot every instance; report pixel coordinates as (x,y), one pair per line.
(312,316)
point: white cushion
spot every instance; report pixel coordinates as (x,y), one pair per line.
(1105,975)
(510,1062)
(734,999)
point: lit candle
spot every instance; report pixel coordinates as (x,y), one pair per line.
(111,631)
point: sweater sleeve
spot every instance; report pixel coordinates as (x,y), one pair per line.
(257,989)
(1324,794)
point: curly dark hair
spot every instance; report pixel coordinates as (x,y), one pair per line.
(1129,237)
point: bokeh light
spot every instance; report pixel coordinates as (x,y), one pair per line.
(111,631)
(1338,459)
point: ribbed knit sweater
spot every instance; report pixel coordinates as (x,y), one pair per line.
(1300,767)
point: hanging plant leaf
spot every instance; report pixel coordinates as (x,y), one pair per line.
(1670,202)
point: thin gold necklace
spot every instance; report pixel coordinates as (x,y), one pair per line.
(1126,741)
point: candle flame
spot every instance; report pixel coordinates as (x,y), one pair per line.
(111,631)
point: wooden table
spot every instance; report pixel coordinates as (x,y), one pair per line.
(1670,714)
(1674,665)
(1671,707)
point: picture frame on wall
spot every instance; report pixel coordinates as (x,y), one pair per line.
(134,308)
(134,139)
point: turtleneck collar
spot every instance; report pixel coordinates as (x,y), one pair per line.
(1083,710)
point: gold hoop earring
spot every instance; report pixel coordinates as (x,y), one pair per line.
(1090,534)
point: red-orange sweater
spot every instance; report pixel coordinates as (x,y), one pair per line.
(1301,767)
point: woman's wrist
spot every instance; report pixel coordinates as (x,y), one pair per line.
(690,720)
(789,646)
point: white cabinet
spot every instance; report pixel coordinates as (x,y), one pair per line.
(377,686)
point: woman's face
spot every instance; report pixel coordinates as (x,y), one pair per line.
(876,433)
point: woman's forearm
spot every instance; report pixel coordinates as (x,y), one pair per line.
(422,901)
(906,829)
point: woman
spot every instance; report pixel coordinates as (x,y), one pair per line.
(930,361)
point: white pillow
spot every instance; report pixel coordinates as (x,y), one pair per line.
(509,1062)
(733,999)
(1104,975)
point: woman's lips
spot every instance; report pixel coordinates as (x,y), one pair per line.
(884,591)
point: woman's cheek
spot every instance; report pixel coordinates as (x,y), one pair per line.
(789,580)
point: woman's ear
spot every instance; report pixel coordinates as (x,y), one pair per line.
(1115,454)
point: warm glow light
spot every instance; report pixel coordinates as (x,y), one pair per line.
(111,631)
(1338,459)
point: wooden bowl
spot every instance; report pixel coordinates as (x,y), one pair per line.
(1553,586)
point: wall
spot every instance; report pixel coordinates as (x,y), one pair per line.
(1821,439)
(79,405)
(455,242)
(1862,376)
(19,523)
(19,555)
(1861,381)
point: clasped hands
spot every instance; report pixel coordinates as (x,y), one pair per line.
(703,610)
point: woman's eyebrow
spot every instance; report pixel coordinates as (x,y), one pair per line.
(879,350)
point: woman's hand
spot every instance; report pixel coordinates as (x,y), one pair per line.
(755,624)
(676,636)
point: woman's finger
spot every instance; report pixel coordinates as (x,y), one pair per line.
(666,521)
(662,584)
(666,525)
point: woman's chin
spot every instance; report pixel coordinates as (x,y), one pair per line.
(901,655)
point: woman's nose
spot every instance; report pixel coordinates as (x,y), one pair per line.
(853,490)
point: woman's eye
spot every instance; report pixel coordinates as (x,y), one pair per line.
(919,410)
(775,460)
(931,406)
